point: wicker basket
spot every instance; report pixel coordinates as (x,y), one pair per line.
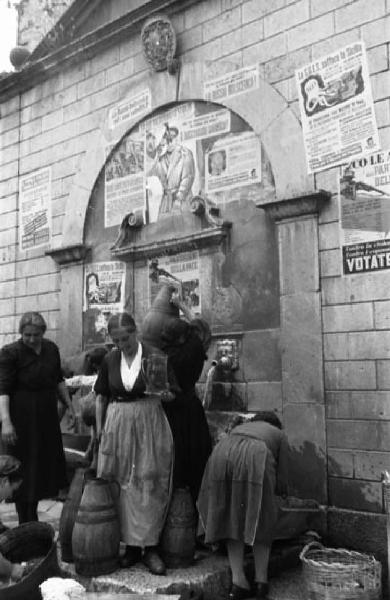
(337,574)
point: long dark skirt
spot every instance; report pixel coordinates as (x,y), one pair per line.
(237,499)
(39,444)
(192,441)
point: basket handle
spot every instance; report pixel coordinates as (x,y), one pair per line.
(308,547)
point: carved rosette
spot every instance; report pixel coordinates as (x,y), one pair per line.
(159,42)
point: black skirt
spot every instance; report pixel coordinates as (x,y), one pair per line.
(39,444)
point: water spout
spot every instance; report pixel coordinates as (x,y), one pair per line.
(208,390)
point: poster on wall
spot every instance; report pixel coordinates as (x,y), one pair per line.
(130,108)
(169,162)
(35,209)
(231,84)
(180,270)
(104,289)
(365,214)
(191,149)
(124,181)
(336,106)
(233,161)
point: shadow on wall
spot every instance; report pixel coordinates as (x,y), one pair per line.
(307,472)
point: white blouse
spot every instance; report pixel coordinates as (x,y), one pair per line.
(130,374)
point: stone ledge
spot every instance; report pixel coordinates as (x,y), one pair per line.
(68,255)
(212,236)
(297,206)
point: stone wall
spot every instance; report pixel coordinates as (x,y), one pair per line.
(54,122)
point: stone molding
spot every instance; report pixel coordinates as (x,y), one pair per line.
(299,206)
(68,255)
(196,241)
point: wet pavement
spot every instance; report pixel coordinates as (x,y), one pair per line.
(210,573)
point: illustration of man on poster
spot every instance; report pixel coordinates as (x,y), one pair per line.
(174,166)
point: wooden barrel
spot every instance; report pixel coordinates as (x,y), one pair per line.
(179,534)
(96,534)
(69,513)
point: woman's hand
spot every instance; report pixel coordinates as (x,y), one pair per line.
(8,433)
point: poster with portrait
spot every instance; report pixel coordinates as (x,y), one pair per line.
(104,289)
(181,271)
(336,106)
(365,214)
(170,161)
(172,156)
(35,210)
(124,181)
(233,161)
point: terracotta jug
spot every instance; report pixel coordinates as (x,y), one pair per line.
(179,533)
(96,534)
(161,313)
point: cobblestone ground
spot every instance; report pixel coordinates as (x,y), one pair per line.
(287,586)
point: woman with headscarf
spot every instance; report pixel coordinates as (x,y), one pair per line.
(30,382)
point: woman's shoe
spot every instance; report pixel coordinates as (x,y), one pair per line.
(131,556)
(239,593)
(154,562)
(262,591)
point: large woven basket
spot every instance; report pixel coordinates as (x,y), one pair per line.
(338,574)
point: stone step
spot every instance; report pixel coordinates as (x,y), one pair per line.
(207,579)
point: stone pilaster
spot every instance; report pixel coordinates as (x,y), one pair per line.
(301,340)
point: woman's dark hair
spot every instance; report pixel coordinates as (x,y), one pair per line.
(32,318)
(173,332)
(122,319)
(269,417)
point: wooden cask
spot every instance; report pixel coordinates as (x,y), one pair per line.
(96,533)
(179,533)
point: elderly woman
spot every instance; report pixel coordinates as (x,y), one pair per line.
(136,447)
(237,500)
(30,381)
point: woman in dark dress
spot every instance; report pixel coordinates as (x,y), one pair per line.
(186,350)
(237,500)
(30,382)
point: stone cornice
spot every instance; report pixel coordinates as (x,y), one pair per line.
(40,68)
(307,204)
(68,255)
(212,236)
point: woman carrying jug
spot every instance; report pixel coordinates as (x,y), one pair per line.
(136,447)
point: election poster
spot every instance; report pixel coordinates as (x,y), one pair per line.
(337,110)
(104,289)
(365,214)
(130,108)
(180,271)
(35,210)
(233,161)
(124,181)
(231,84)
(192,150)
